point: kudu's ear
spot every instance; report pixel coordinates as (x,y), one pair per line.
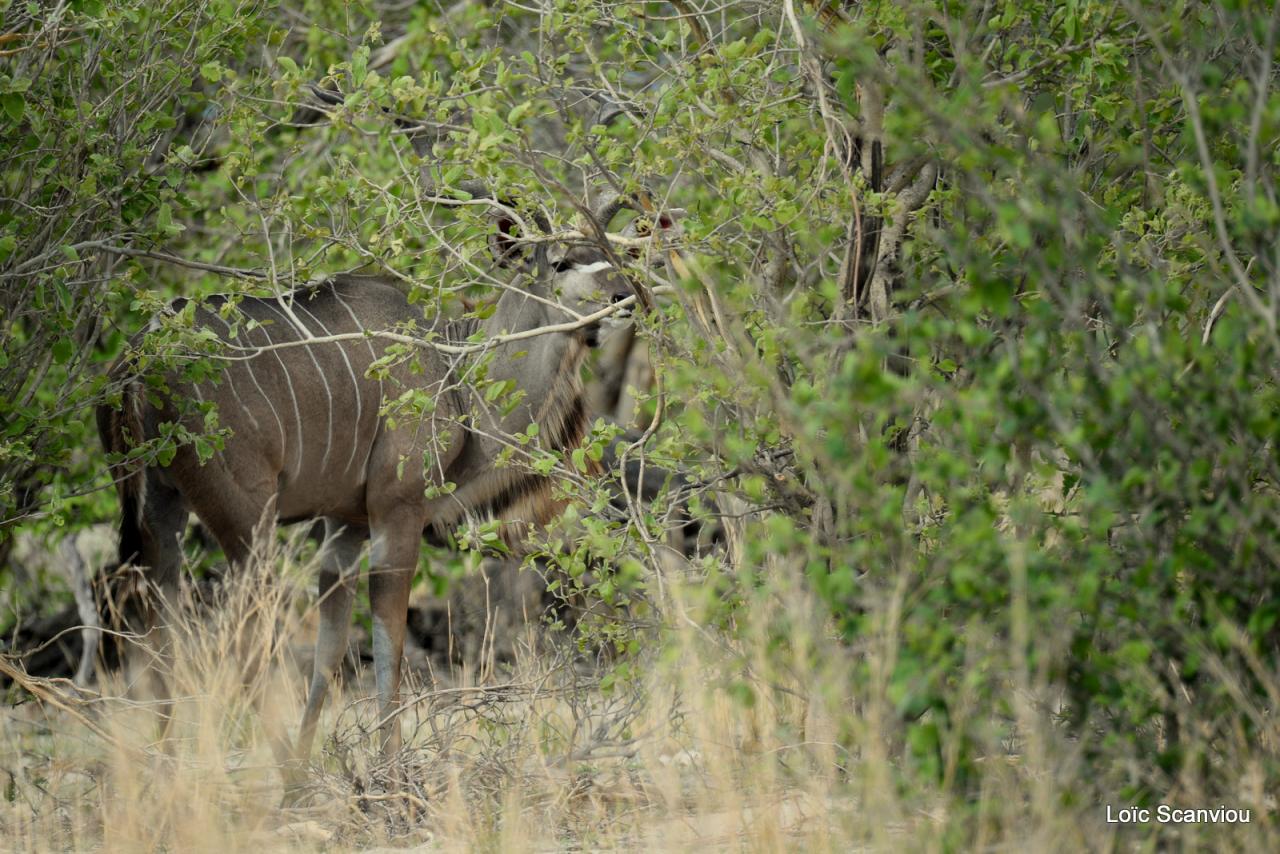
(508,250)
(502,242)
(665,222)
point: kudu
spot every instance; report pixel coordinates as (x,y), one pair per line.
(308,439)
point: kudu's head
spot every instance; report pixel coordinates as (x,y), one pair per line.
(580,276)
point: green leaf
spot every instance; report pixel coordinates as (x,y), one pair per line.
(64,296)
(360,65)
(63,350)
(164,219)
(518,112)
(495,390)
(14,105)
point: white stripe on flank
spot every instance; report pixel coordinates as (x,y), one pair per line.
(231,381)
(297,415)
(306,333)
(248,366)
(355,437)
(592,268)
(373,356)
(247,411)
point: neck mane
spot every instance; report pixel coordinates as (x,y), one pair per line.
(546,370)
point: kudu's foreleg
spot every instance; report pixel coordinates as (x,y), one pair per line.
(393,557)
(339,572)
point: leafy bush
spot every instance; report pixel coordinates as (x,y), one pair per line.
(971,329)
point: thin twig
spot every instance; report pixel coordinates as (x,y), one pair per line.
(43,691)
(581,322)
(129,251)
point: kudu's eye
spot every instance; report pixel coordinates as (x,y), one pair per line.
(562,265)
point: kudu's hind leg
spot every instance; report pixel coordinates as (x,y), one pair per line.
(238,515)
(163,521)
(339,573)
(393,557)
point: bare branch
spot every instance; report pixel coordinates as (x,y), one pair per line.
(580,322)
(908,202)
(130,252)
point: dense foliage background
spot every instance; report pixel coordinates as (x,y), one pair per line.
(973,336)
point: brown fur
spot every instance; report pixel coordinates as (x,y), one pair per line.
(308,440)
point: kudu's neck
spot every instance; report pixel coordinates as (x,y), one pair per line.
(521,309)
(544,367)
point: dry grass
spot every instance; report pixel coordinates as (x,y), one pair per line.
(716,746)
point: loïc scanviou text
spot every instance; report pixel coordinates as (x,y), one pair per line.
(1166,814)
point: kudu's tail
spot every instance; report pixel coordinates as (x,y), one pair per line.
(120,431)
